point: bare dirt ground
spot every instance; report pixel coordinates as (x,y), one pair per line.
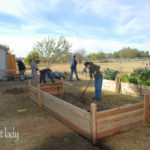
(107,102)
(38,129)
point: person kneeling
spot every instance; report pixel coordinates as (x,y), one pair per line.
(46,72)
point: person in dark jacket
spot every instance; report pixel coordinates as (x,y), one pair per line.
(22,69)
(94,71)
(73,66)
(46,72)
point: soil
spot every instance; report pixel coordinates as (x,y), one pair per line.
(85,102)
(16,91)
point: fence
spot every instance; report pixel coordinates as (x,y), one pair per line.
(53,88)
(93,125)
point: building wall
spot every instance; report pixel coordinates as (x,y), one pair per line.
(3,64)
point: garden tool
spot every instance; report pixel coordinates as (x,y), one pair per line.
(83,93)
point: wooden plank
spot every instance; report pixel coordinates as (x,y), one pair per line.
(55,94)
(120,117)
(51,84)
(66,105)
(33,94)
(34,99)
(33,88)
(117,84)
(93,108)
(119,129)
(69,123)
(77,118)
(52,89)
(108,126)
(39,96)
(123,109)
(29,84)
(21,110)
(68,83)
(146,109)
(11,64)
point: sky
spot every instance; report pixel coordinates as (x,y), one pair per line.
(94,25)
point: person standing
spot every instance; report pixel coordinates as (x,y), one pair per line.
(94,71)
(73,66)
(34,71)
(22,69)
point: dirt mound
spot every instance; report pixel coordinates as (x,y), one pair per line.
(85,102)
(16,91)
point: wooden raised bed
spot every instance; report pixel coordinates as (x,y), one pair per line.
(93,125)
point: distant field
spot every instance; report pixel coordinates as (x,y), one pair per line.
(122,66)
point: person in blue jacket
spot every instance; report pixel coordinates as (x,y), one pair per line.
(73,66)
(95,72)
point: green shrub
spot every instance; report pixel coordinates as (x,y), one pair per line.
(124,78)
(140,76)
(110,74)
(32,54)
(132,79)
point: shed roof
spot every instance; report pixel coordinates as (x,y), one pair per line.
(4,47)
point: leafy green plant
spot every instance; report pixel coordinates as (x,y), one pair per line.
(132,79)
(110,74)
(140,76)
(124,78)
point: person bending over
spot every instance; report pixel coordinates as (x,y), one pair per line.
(46,72)
(94,71)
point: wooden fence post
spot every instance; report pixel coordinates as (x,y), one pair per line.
(117,84)
(93,109)
(146,109)
(39,95)
(29,83)
(62,80)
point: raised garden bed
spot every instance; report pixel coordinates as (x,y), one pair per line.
(125,88)
(94,124)
(85,102)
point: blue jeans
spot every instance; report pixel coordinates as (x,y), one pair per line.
(74,70)
(98,87)
(84,71)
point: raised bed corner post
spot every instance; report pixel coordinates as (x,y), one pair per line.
(146,109)
(29,83)
(39,96)
(93,109)
(117,84)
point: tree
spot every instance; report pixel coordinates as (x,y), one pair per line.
(80,55)
(94,56)
(52,50)
(32,54)
(101,55)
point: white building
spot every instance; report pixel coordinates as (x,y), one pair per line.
(3,62)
